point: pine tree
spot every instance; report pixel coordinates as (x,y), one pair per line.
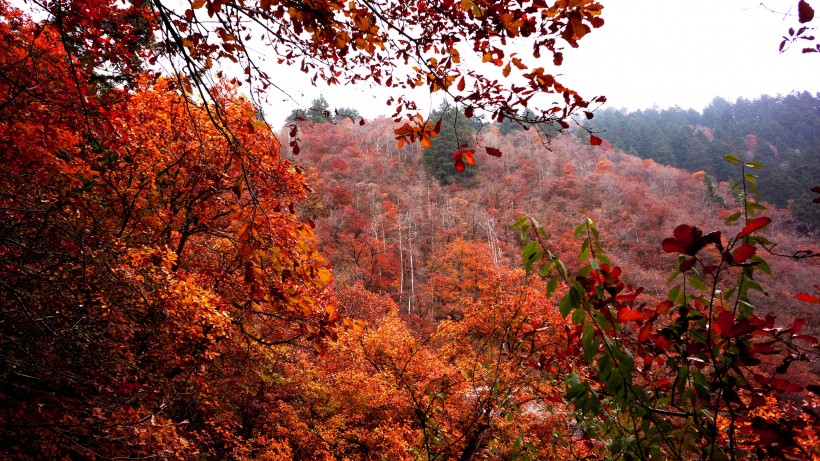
(456,133)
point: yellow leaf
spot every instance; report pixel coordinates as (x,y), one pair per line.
(324,275)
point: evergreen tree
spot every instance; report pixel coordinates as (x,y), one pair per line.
(456,133)
(347,112)
(318,112)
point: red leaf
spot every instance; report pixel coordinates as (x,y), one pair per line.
(754,225)
(729,329)
(629,315)
(643,335)
(807,298)
(687,234)
(724,321)
(807,338)
(595,140)
(779,384)
(764,349)
(494,152)
(805,13)
(743,253)
(663,307)
(687,264)
(797,325)
(741,328)
(459,163)
(671,245)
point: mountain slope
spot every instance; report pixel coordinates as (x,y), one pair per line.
(783,133)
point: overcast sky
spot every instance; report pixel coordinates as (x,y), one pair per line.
(652,53)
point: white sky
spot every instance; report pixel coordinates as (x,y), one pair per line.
(649,53)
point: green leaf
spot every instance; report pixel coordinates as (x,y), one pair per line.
(731,158)
(519,223)
(531,254)
(756,286)
(573,379)
(583,256)
(745,309)
(754,164)
(750,178)
(755,191)
(594,229)
(734,217)
(562,269)
(604,367)
(761,264)
(565,305)
(545,270)
(674,292)
(697,284)
(580,230)
(588,341)
(552,285)
(601,320)
(594,264)
(578,315)
(576,391)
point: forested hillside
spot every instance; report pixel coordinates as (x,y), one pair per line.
(177,284)
(782,133)
(377,206)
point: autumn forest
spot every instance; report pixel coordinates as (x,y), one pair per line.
(491,281)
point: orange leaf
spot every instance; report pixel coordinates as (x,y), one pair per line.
(630,315)
(468,156)
(807,298)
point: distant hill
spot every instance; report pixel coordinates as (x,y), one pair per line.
(387,223)
(783,133)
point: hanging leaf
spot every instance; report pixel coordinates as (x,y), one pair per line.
(754,225)
(595,140)
(494,152)
(805,13)
(459,162)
